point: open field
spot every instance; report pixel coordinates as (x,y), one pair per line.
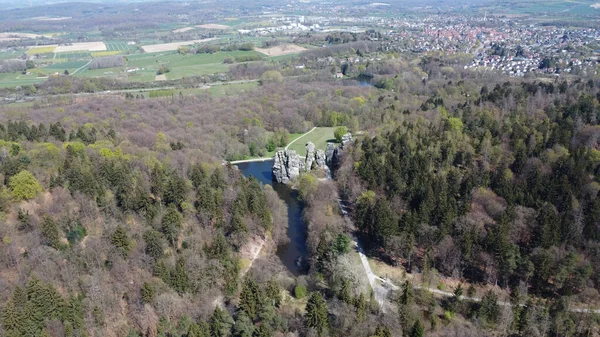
(213,26)
(320,137)
(157,48)
(118,46)
(281,50)
(74,55)
(105,53)
(79,46)
(183,30)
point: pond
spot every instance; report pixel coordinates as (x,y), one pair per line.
(292,254)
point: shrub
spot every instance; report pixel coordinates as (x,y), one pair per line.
(339,133)
(300,291)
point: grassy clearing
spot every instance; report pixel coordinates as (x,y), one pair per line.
(320,137)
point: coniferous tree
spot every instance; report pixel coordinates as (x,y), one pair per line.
(316,313)
(120,240)
(171,224)
(250,298)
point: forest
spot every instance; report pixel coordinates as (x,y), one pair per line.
(121,215)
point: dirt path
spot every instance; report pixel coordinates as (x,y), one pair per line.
(252,251)
(293,141)
(78,69)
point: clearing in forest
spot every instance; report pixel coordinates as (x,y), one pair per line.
(319,136)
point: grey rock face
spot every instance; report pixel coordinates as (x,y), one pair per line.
(280,171)
(346,139)
(287,166)
(320,159)
(329,150)
(294,163)
(310,155)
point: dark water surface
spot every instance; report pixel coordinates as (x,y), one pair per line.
(293,253)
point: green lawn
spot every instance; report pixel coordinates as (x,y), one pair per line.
(320,137)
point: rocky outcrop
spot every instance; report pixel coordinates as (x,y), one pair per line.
(347,138)
(287,166)
(333,153)
(310,155)
(320,159)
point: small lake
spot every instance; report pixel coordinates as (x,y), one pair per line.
(295,251)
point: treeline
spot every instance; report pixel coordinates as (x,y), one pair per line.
(11,66)
(107,62)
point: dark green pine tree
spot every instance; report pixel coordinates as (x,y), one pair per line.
(171,224)
(316,313)
(220,323)
(250,298)
(217,179)
(11,322)
(382,331)
(153,244)
(120,240)
(262,331)
(158,181)
(406,298)
(272,292)
(179,278)
(198,330)
(148,293)
(198,175)
(244,327)
(417,329)
(176,191)
(360,303)
(50,232)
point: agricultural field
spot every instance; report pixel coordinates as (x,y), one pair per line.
(41,50)
(112,46)
(77,55)
(162,47)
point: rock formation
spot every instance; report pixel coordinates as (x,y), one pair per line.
(310,155)
(288,165)
(320,159)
